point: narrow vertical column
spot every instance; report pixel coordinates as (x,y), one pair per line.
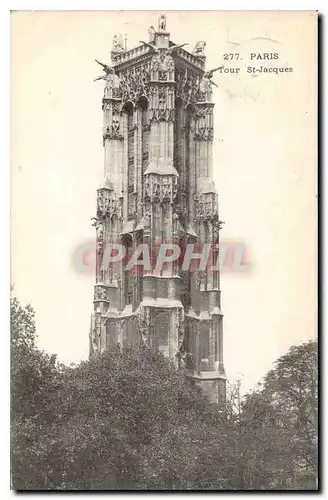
(192,171)
(139,164)
(125,166)
(196,330)
(214,343)
(139,203)
(108,207)
(206,222)
(136,148)
(221,364)
(113,141)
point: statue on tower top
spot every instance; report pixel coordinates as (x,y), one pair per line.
(162,22)
(151,32)
(199,49)
(118,45)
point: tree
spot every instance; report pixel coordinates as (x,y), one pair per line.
(279,424)
(293,388)
(132,421)
(128,419)
(33,375)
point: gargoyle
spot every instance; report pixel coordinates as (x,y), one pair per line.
(107,69)
(209,75)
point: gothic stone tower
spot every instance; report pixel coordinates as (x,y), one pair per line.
(158,188)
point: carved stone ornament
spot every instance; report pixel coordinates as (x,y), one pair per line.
(116,108)
(162,67)
(134,83)
(187,85)
(147,220)
(103,200)
(100,293)
(97,223)
(113,131)
(161,103)
(207,207)
(217,226)
(205,90)
(200,283)
(108,205)
(151,32)
(204,123)
(119,281)
(199,49)
(112,86)
(183,205)
(161,188)
(118,45)
(112,120)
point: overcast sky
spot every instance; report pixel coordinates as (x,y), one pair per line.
(264,169)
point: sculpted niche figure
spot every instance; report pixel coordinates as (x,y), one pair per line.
(99,228)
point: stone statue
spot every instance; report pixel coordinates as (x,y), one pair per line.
(163,52)
(199,48)
(99,228)
(171,50)
(155,49)
(118,42)
(151,32)
(109,72)
(162,23)
(209,75)
(100,232)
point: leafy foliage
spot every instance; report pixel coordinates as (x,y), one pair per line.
(279,424)
(129,420)
(33,385)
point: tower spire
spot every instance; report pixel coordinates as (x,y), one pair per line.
(158,193)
